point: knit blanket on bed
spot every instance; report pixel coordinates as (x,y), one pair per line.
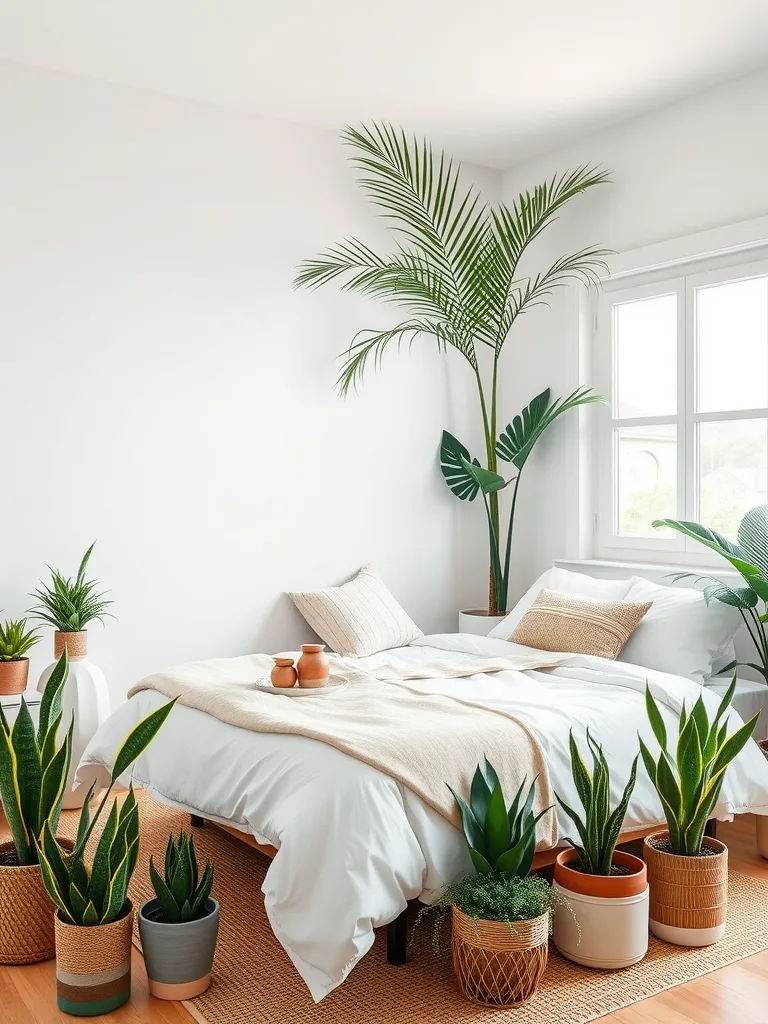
(421,740)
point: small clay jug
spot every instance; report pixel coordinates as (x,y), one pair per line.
(313,665)
(283,674)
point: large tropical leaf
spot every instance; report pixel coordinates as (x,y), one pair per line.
(714,541)
(516,442)
(753,537)
(453,459)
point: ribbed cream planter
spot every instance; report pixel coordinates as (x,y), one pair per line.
(477,621)
(178,957)
(85,695)
(26,914)
(689,895)
(498,964)
(93,966)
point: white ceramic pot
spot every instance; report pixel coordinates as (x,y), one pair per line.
(475,620)
(761,826)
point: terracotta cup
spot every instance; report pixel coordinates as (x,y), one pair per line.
(284,673)
(313,666)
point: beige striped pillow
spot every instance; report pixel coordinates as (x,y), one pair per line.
(577,625)
(359,618)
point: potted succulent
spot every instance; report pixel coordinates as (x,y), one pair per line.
(94,923)
(688,871)
(15,641)
(606,889)
(500,915)
(180,925)
(33,770)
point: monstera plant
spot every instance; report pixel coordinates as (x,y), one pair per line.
(455,270)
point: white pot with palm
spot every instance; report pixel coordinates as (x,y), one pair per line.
(69,605)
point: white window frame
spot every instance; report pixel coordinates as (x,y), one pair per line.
(682,278)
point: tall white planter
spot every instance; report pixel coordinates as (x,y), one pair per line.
(85,695)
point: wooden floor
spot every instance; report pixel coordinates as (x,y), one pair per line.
(733,995)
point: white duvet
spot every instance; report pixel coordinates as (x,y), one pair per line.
(353,845)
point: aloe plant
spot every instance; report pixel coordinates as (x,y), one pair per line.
(16,639)
(70,604)
(96,894)
(600,827)
(501,839)
(689,782)
(181,892)
(34,767)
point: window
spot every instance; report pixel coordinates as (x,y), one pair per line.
(684,363)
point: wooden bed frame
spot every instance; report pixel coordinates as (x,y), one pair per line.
(397,932)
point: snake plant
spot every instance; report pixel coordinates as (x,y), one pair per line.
(599,828)
(34,767)
(96,893)
(70,604)
(16,639)
(181,891)
(501,839)
(689,782)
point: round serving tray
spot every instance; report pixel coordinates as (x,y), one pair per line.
(265,686)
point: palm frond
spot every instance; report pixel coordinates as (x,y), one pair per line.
(371,345)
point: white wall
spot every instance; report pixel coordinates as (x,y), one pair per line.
(163,388)
(692,166)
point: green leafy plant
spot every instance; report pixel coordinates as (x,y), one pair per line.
(454,270)
(501,839)
(749,557)
(182,894)
(34,767)
(600,827)
(689,783)
(16,639)
(96,894)
(70,604)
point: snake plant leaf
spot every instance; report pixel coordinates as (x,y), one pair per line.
(579,771)
(616,820)
(491,776)
(168,903)
(54,784)
(524,813)
(473,831)
(479,795)
(55,859)
(193,862)
(10,794)
(734,745)
(77,901)
(85,814)
(648,761)
(453,456)
(481,864)
(714,541)
(50,742)
(654,717)
(180,882)
(91,916)
(186,911)
(79,873)
(517,860)
(488,482)
(690,761)
(50,704)
(101,872)
(28,767)
(497,832)
(203,890)
(514,807)
(51,886)
(118,888)
(139,738)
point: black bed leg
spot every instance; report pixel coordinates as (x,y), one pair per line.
(196,821)
(710,829)
(397,935)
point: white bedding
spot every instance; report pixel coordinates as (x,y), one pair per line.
(353,845)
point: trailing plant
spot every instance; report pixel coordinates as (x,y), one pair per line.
(600,827)
(96,893)
(34,767)
(501,839)
(749,557)
(70,604)
(182,894)
(454,270)
(689,782)
(16,639)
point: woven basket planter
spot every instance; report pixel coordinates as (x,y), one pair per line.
(93,966)
(26,914)
(496,965)
(689,895)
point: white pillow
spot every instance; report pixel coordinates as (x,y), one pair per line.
(566,582)
(681,633)
(359,618)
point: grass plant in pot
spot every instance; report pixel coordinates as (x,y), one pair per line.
(500,915)
(179,927)
(688,871)
(94,923)
(33,771)
(15,641)
(606,925)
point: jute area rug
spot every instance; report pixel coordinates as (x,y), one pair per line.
(255,983)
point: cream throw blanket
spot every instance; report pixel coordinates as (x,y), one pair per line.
(421,740)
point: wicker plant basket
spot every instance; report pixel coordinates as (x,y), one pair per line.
(93,966)
(26,914)
(496,965)
(689,895)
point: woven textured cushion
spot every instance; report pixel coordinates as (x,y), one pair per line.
(576,625)
(359,618)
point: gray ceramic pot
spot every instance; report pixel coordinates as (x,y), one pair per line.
(178,957)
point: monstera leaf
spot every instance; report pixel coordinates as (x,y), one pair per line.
(463,474)
(516,442)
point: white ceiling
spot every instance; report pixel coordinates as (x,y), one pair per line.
(498,81)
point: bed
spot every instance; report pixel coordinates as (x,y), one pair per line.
(353,846)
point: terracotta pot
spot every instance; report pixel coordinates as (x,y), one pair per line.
(498,964)
(76,644)
(605,924)
(13,676)
(93,966)
(178,957)
(478,622)
(26,914)
(284,672)
(689,895)
(313,666)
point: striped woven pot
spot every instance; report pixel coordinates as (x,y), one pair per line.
(689,895)
(93,966)
(26,914)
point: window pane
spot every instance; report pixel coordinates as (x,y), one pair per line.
(732,346)
(733,472)
(647,478)
(645,347)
